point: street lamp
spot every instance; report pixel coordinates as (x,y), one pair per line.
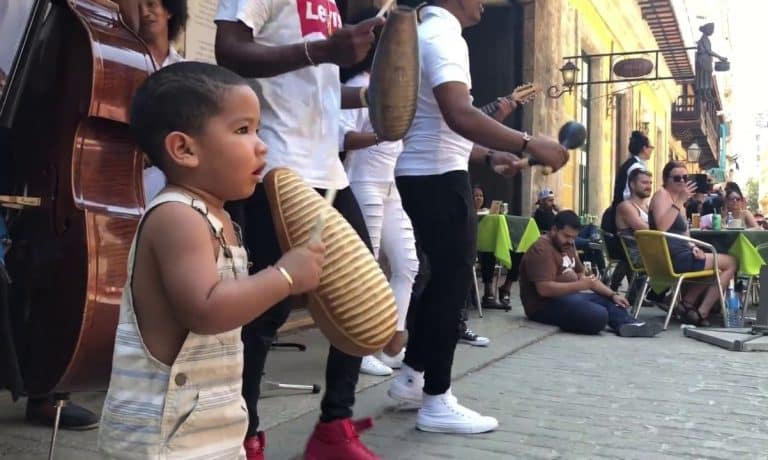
(694,152)
(569,80)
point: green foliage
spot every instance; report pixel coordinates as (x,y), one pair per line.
(752,192)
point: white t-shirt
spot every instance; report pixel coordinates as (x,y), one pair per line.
(299,110)
(430,146)
(172,58)
(375,163)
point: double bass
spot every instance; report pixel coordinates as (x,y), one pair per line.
(74,164)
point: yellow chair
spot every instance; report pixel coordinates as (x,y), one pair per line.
(658,265)
(637,270)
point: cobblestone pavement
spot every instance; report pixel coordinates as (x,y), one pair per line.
(576,397)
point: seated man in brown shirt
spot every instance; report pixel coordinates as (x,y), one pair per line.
(551,284)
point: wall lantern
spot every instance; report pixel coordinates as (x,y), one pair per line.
(694,152)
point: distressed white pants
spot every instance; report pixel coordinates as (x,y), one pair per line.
(390,229)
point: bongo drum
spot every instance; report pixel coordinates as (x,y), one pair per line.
(353,306)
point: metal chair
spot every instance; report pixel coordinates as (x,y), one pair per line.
(657,261)
(636,268)
(478,302)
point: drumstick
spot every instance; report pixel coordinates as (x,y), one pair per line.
(384,8)
(330,195)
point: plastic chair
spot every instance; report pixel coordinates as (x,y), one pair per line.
(657,261)
(752,292)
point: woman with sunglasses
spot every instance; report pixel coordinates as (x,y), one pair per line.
(667,213)
(737,206)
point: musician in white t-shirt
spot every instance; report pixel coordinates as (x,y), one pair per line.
(431,174)
(370,166)
(293,50)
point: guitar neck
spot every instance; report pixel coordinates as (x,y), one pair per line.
(491,107)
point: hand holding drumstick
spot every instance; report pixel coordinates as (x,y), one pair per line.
(304,264)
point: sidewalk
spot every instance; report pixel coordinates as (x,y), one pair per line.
(288,414)
(556,395)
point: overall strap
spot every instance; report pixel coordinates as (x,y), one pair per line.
(216,226)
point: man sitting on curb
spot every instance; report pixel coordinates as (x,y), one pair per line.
(551,284)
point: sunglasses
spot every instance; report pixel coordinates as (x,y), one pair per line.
(680,178)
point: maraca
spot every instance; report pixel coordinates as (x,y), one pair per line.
(572,135)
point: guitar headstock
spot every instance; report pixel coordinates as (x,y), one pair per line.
(525,93)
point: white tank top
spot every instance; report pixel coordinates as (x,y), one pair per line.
(641,212)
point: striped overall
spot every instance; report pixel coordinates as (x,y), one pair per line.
(192,409)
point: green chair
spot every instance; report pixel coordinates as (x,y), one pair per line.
(752,292)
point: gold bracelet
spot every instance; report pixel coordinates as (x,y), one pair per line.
(286,275)
(363,97)
(306,53)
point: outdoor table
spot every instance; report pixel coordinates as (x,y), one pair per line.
(741,244)
(501,234)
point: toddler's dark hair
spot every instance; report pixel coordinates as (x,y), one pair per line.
(180,97)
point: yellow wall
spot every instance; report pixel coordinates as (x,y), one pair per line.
(572,27)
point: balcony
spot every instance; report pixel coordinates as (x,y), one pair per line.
(697,121)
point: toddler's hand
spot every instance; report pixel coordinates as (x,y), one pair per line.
(304,264)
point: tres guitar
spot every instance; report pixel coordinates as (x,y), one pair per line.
(521,95)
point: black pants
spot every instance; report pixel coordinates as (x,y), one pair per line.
(488,264)
(342,370)
(441,209)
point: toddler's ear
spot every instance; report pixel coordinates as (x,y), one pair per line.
(180,149)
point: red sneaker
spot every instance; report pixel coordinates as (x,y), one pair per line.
(254,446)
(338,440)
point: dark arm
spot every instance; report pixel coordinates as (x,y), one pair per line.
(236,50)
(355,141)
(466,120)
(350,97)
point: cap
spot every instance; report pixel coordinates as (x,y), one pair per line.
(546,193)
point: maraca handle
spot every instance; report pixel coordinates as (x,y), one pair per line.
(531,161)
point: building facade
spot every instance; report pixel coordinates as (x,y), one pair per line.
(521,41)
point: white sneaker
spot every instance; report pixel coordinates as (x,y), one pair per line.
(407,386)
(372,366)
(395,362)
(443,414)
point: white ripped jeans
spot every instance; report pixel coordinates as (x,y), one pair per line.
(390,229)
